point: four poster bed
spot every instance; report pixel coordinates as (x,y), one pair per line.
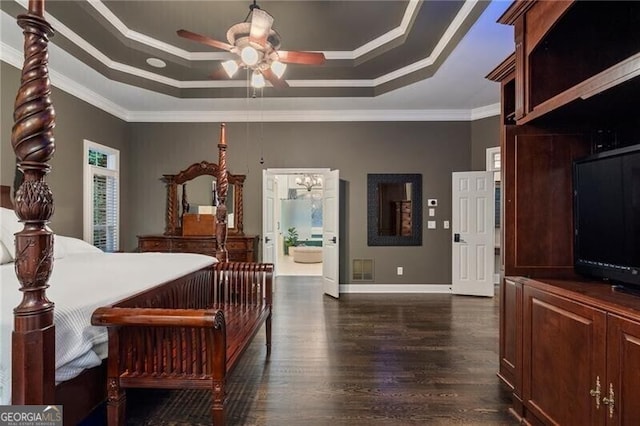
(172,320)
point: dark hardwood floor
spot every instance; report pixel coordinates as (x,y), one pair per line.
(384,359)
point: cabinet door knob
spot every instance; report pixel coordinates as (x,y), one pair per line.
(596,392)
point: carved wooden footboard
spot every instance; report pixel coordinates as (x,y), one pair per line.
(188,333)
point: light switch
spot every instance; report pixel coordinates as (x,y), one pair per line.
(432,212)
(431,224)
(446,224)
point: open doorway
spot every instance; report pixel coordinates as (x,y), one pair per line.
(298,217)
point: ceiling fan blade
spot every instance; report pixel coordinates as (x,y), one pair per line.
(276,82)
(261,23)
(204,40)
(309,58)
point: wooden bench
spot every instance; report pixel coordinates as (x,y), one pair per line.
(188,333)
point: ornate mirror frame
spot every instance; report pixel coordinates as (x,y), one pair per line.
(173,217)
(373,208)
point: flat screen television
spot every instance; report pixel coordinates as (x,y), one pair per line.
(606,208)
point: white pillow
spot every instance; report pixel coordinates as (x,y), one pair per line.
(71,245)
(5,256)
(9,226)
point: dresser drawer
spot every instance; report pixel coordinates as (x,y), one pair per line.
(236,245)
(194,246)
(152,244)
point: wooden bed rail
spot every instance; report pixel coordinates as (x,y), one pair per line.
(156,317)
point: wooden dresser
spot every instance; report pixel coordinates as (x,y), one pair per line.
(242,248)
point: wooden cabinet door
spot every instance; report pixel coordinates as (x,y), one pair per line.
(538,201)
(511,334)
(564,350)
(623,374)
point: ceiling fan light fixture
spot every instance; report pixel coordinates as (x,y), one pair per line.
(249,55)
(257,80)
(230,67)
(278,68)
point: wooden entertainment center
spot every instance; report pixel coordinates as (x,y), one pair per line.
(569,347)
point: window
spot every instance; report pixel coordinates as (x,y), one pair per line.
(493,162)
(101,196)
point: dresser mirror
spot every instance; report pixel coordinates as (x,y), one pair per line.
(394,209)
(197,194)
(192,188)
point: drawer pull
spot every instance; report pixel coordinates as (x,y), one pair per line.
(610,400)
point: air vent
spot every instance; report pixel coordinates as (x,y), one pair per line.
(362,270)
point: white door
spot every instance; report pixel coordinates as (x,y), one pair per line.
(268,220)
(473,220)
(330,227)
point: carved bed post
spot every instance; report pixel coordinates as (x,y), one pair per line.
(223,184)
(33,339)
(172,208)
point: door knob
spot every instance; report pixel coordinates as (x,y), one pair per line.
(334,240)
(266,240)
(456,238)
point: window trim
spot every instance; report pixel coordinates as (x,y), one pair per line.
(112,170)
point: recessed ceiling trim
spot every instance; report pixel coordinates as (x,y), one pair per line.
(150,41)
(459,19)
(388,37)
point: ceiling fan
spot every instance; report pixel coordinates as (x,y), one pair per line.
(256,45)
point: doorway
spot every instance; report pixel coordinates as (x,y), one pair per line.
(297,221)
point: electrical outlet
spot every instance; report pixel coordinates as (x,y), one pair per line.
(400,270)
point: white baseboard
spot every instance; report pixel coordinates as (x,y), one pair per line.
(395,288)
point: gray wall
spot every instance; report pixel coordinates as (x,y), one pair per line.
(485,133)
(76,120)
(149,150)
(434,149)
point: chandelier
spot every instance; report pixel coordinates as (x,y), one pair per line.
(309,181)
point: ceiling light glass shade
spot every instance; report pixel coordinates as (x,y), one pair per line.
(278,68)
(309,181)
(249,55)
(257,80)
(230,67)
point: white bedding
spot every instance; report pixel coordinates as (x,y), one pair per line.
(80,283)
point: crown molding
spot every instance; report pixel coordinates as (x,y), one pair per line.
(300,116)
(485,111)
(14,57)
